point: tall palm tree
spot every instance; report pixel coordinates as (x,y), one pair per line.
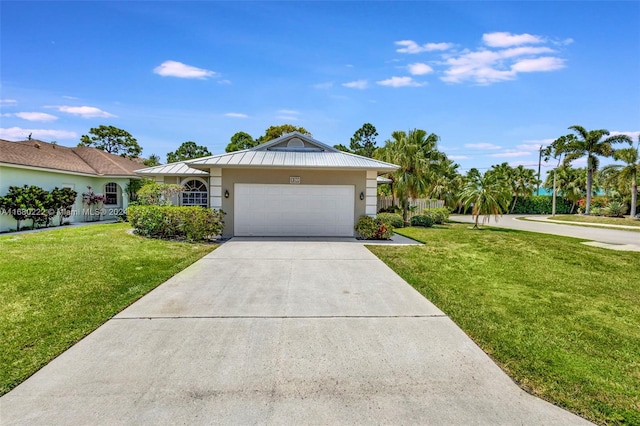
(570,183)
(446,183)
(628,173)
(486,195)
(591,144)
(415,152)
(523,183)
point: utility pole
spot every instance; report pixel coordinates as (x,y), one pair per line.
(539,164)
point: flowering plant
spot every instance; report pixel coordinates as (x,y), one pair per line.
(90,198)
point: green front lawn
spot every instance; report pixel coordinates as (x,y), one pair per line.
(561,318)
(57,286)
(597,220)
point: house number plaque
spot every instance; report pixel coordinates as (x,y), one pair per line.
(294,179)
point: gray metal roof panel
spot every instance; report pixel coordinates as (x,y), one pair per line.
(171,169)
(325,159)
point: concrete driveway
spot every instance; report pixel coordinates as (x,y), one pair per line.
(278,332)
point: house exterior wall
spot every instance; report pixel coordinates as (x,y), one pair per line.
(47,180)
(231,176)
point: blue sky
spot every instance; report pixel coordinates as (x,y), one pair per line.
(494,80)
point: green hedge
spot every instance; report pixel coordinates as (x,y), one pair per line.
(190,223)
(370,228)
(541,204)
(439,215)
(393,218)
(422,220)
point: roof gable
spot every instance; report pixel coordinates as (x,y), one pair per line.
(294,141)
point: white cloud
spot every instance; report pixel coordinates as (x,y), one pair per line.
(357,84)
(236,115)
(510,154)
(180,70)
(534,146)
(399,82)
(7,101)
(419,69)
(288,112)
(326,85)
(69,97)
(457,157)
(287,117)
(18,133)
(85,111)
(35,116)
(505,39)
(225,81)
(410,46)
(545,63)
(482,145)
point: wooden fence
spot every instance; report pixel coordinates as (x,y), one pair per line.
(420,203)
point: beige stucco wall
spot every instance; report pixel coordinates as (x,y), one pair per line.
(14,176)
(231,176)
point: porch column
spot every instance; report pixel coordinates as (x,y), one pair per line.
(215,188)
(371,193)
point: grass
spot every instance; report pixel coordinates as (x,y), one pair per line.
(58,286)
(561,318)
(597,220)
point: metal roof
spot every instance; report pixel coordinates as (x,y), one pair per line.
(172,169)
(324,157)
(320,156)
(292,159)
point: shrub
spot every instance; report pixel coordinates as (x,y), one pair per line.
(369,228)
(393,218)
(615,209)
(391,209)
(595,211)
(190,223)
(158,194)
(439,215)
(422,220)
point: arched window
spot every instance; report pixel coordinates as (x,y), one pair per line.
(195,194)
(111,193)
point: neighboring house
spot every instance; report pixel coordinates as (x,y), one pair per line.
(48,165)
(290,186)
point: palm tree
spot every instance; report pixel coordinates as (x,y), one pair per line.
(628,173)
(523,183)
(446,183)
(591,144)
(415,152)
(486,195)
(570,183)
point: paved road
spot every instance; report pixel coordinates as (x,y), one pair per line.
(605,235)
(277,332)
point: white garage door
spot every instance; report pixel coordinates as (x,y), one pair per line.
(293,210)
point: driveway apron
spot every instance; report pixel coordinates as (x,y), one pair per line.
(278,332)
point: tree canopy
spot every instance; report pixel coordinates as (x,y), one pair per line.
(240,141)
(153,160)
(112,140)
(243,140)
(363,141)
(274,132)
(187,151)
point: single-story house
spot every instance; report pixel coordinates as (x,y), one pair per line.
(48,165)
(290,186)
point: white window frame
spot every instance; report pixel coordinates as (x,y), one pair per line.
(107,193)
(190,197)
